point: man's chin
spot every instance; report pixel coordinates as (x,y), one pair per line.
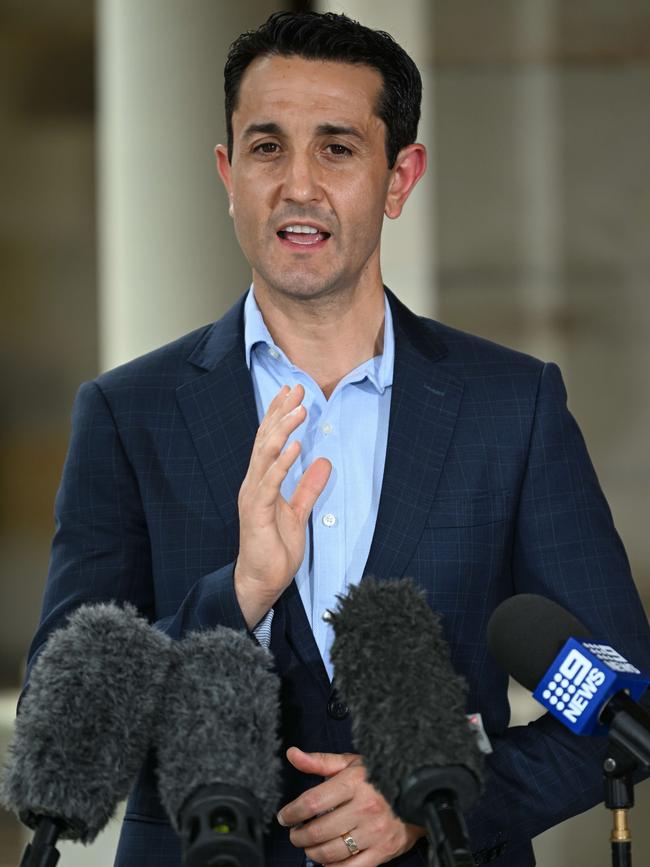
(304,287)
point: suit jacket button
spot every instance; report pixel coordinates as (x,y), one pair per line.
(337,709)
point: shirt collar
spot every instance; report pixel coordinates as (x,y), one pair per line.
(255,330)
(379,369)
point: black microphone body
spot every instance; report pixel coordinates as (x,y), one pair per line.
(629,727)
(84,724)
(218,748)
(435,798)
(42,851)
(392,666)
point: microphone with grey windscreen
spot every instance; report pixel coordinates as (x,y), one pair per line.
(218,748)
(84,726)
(392,667)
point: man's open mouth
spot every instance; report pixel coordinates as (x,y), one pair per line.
(303,235)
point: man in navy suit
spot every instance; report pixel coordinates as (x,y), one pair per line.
(320,431)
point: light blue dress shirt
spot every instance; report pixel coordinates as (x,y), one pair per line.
(351,430)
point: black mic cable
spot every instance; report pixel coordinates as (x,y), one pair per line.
(392,667)
(218,748)
(84,726)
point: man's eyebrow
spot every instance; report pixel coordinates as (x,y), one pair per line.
(272,128)
(338,129)
(269,128)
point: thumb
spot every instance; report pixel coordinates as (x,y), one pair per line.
(320,764)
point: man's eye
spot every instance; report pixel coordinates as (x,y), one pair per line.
(339,150)
(267,147)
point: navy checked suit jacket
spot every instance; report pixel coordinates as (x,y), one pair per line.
(488,491)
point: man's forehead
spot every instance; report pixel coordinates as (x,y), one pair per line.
(277,83)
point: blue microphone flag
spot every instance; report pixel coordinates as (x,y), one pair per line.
(581,680)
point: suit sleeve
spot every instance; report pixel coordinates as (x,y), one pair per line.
(567,549)
(101,547)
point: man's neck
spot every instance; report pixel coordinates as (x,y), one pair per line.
(327,338)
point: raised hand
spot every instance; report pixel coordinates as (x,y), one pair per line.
(272,529)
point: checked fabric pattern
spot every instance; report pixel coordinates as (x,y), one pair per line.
(488,491)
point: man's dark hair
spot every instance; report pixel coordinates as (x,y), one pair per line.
(333,37)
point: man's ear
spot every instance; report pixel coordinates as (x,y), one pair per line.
(410,165)
(224,169)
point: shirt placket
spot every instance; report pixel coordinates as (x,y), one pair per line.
(329,522)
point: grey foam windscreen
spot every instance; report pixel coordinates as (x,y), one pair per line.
(392,666)
(85,722)
(219,721)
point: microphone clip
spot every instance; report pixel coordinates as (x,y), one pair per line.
(435,798)
(42,851)
(221,825)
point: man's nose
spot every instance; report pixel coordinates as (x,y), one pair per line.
(301,183)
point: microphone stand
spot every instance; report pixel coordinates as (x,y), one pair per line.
(629,750)
(618,770)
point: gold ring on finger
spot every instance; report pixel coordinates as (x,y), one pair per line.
(350,842)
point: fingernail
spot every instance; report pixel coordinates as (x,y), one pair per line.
(280,821)
(296,409)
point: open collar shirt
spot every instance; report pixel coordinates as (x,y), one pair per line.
(351,431)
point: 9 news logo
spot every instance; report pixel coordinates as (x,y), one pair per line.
(573,686)
(582,677)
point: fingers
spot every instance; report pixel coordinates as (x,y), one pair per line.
(366,858)
(284,415)
(334,850)
(284,401)
(320,831)
(369,822)
(269,464)
(327,796)
(275,405)
(268,489)
(310,487)
(345,804)
(321,764)
(378,836)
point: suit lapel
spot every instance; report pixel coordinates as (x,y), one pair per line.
(424,405)
(219,410)
(301,638)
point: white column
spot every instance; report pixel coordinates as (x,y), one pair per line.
(539,166)
(408,246)
(169,260)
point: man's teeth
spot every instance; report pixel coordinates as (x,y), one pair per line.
(299,229)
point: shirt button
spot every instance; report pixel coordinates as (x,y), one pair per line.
(273,352)
(329,520)
(327,428)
